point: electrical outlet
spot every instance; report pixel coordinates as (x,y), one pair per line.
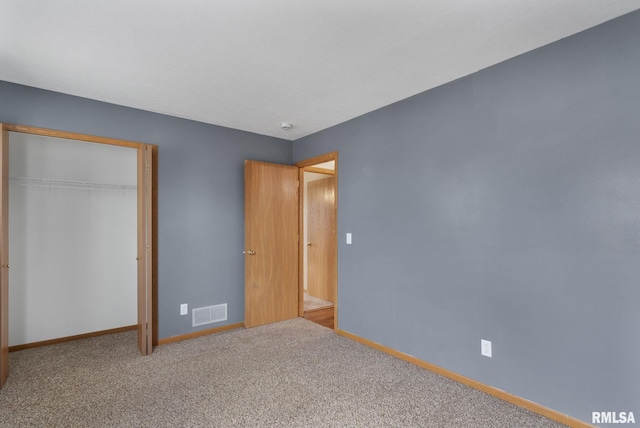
(184,309)
(485,347)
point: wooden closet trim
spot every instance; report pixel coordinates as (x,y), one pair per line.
(72,136)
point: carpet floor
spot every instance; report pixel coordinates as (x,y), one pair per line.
(290,374)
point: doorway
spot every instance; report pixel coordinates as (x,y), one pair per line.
(318,229)
(145,254)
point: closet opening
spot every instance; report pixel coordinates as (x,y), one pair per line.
(77,227)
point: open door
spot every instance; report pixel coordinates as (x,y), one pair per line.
(145,249)
(4,255)
(271,243)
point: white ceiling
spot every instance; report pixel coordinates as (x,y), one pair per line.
(252,64)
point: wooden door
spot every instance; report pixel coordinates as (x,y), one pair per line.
(271,243)
(145,249)
(4,255)
(321,238)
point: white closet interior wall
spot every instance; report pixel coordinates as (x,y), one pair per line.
(72,237)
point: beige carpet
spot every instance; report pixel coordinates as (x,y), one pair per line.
(312,302)
(290,374)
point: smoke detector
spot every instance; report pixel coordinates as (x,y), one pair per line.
(286,126)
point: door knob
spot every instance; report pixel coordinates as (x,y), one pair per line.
(308,244)
(249,252)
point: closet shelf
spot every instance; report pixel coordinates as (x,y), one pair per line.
(68,184)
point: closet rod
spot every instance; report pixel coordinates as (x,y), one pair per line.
(68,184)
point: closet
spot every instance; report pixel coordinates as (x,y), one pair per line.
(72,229)
(63,283)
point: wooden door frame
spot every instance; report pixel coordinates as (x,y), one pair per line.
(308,165)
(4,256)
(145,237)
(147,215)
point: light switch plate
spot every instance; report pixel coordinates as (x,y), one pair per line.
(485,347)
(184,309)
(348,238)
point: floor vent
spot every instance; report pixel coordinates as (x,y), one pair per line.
(209,314)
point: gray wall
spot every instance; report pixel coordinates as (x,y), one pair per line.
(504,206)
(200,193)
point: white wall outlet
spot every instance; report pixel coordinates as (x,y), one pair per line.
(348,238)
(184,309)
(485,347)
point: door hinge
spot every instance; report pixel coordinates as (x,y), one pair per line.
(148,168)
(148,248)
